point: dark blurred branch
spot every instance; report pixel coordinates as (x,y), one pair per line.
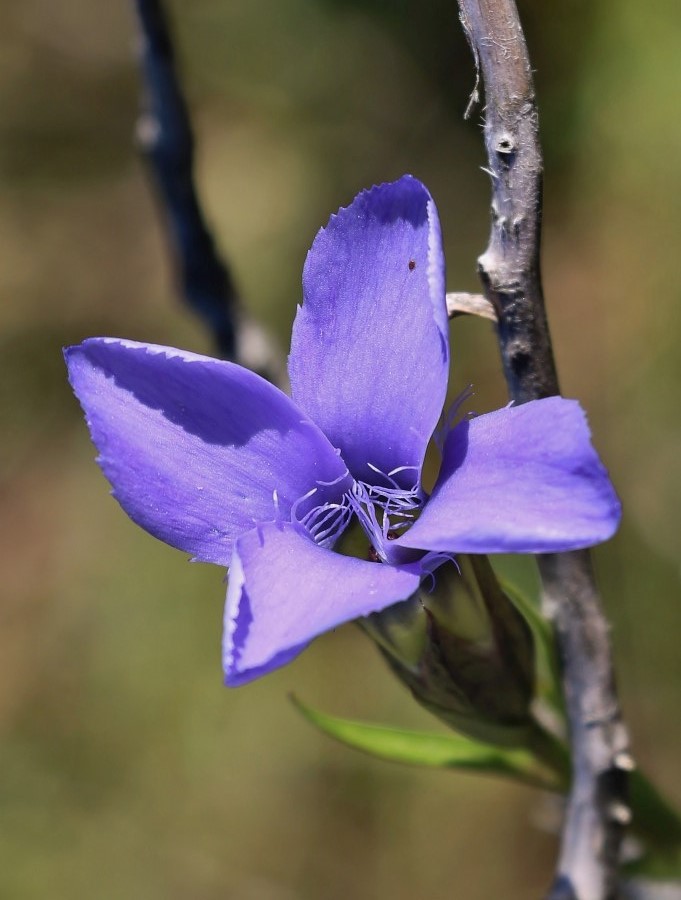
(510,271)
(165,137)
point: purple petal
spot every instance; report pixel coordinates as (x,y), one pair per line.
(284,590)
(523,479)
(196,448)
(369,351)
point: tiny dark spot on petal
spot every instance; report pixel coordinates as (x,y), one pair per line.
(412,265)
(373,555)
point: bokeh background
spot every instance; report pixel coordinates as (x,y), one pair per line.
(127,769)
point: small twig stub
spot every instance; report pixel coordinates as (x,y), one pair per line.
(462,304)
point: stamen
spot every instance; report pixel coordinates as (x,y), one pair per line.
(448,423)
(327,522)
(431,562)
(383,511)
(325,514)
(335,480)
(394,485)
(394,503)
(294,508)
(329,537)
(402,469)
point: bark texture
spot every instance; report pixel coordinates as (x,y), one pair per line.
(597,811)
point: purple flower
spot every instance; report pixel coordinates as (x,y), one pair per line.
(212,459)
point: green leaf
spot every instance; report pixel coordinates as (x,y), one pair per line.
(658,824)
(658,866)
(434,750)
(548,672)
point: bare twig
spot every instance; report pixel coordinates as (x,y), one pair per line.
(597,811)
(462,304)
(165,137)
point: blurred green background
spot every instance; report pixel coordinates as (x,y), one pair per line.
(127,770)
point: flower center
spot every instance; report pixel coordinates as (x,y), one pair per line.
(385,510)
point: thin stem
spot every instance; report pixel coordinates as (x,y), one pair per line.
(165,136)
(511,276)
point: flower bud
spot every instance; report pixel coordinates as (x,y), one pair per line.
(464,650)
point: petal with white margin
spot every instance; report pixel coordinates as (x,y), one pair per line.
(370,348)
(284,590)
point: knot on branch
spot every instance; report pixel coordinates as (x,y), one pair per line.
(505,146)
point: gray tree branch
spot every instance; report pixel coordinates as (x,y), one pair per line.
(597,811)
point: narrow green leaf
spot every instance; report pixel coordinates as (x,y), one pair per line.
(659,866)
(548,672)
(658,824)
(434,750)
